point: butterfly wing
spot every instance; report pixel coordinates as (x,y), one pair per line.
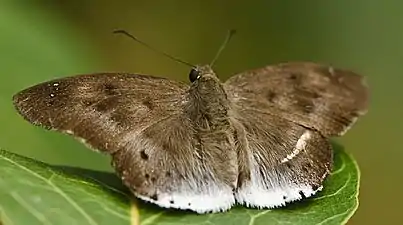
(315,96)
(283,116)
(100,107)
(283,161)
(140,121)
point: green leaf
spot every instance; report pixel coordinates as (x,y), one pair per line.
(33,193)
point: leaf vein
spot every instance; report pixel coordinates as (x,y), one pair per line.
(151,219)
(57,189)
(342,167)
(336,192)
(331,218)
(39,216)
(254,217)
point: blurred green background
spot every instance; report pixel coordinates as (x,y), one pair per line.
(41,40)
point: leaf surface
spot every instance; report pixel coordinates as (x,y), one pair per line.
(33,193)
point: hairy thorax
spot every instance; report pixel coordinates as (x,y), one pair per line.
(213,133)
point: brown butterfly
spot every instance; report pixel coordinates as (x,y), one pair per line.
(259,139)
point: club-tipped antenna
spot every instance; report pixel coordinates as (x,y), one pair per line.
(224,44)
(152,48)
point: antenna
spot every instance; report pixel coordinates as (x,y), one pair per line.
(152,48)
(224,44)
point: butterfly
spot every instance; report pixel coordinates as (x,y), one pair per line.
(260,139)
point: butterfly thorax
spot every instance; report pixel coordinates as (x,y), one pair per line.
(211,129)
(208,100)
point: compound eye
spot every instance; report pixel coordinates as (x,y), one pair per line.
(194,75)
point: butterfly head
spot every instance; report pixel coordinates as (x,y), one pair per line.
(201,73)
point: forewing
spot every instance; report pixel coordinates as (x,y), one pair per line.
(315,96)
(283,161)
(100,108)
(140,121)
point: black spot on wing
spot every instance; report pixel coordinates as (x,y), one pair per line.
(109,88)
(148,103)
(104,105)
(143,155)
(293,76)
(305,100)
(301,193)
(154,197)
(165,146)
(288,164)
(271,95)
(315,187)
